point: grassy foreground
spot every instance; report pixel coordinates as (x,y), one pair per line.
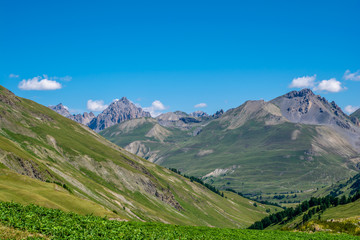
(57,224)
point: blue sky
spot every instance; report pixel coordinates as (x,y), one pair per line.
(181,53)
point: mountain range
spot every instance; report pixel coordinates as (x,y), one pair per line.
(298,142)
(118,111)
(53,161)
(286,150)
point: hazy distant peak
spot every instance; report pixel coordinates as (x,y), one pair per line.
(118,111)
(62,110)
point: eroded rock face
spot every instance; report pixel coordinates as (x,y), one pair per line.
(84,118)
(355,117)
(118,111)
(355,120)
(306,107)
(218,114)
(8,97)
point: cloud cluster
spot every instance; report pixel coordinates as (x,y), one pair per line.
(350,109)
(43,82)
(330,85)
(39,83)
(303,82)
(96,105)
(155,108)
(352,76)
(200,105)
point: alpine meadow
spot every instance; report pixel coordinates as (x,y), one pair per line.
(179,120)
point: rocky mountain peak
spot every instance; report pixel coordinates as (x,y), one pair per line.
(306,92)
(61,109)
(124,99)
(118,111)
(84,118)
(306,107)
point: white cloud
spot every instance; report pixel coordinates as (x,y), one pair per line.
(303,82)
(13,75)
(350,109)
(200,105)
(158,105)
(155,108)
(331,85)
(352,76)
(96,105)
(39,83)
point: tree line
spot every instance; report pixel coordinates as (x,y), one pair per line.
(311,207)
(260,201)
(215,190)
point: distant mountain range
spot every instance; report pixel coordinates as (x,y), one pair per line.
(118,111)
(123,110)
(296,142)
(84,118)
(299,140)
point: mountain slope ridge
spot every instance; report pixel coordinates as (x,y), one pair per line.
(256,141)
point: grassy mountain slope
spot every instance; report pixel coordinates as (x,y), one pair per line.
(26,190)
(342,218)
(145,137)
(41,144)
(252,149)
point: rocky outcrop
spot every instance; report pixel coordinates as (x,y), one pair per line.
(84,118)
(118,111)
(355,117)
(218,114)
(171,119)
(259,110)
(355,121)
(198,114)
(8,97)
(306,107)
